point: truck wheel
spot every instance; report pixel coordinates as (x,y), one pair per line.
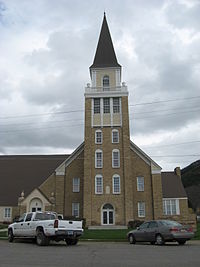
(10,235)
(41,239)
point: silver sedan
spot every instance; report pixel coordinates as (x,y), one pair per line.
(160,231)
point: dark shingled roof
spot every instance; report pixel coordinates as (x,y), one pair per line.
(105,53)
(172,185)
(24,173)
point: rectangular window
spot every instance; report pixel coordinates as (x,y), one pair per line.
(98,159)
(96,105)
(98,137)
(76,185)
(171,207)
(7,213)
(116,185)
(115,136)
(75,209)
(116,105)
(140,183)
(106,105)
(115,159)
(141,209)
(98,185)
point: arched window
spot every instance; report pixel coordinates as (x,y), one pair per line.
(106,82)
(98,158)
(36,205)
(116,184)
(107,214)
(115,158)
(98,137)
(115,136)
(98,184)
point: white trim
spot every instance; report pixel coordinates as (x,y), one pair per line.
(105,94)
(138,189)
(120,101)
(98,151)
(94,78)
(78,209)
(74,185)
(141,216)
(59,173)
(165,206)
(98,176)
(107,210)
(7,213)
(98,131)
(155,171)
(117,131)
(116,150)
(111,111)
(114,176)
(117,77)
(167,198)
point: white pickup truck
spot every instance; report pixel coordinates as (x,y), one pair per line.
(45,226)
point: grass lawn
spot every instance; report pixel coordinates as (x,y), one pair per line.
(2,226)
(3,234)
(106,234)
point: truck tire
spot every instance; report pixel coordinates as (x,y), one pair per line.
(10,235)
(41,239)
(71,242)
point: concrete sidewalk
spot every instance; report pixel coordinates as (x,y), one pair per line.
(4,230)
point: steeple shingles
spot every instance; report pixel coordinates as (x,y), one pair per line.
(105,53)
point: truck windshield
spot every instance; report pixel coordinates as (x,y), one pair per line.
(45,216)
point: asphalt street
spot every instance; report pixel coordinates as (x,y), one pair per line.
(86,254)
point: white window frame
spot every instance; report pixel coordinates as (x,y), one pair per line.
(114,159)
(119,184)
(96,137)
(97,161)
(141,209)
(97,107)
(113,132)
(106,106)
(107,86)
(116,108)
(7,213)
(140,183)
(97,186)
(75,207)
(168,204)
(76,185)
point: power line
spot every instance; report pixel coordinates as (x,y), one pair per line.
(169,156)
(81,110)
(177,144)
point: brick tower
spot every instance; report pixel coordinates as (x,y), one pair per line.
(107,189)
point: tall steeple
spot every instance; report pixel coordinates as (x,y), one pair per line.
(105,53)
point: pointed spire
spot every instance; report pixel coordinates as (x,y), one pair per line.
(105,53)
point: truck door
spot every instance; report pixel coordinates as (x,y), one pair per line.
(18,227)
(27,225)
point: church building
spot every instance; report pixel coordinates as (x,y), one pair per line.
(107,180)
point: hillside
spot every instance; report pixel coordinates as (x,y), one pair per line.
(191,181)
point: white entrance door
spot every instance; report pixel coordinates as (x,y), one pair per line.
(35,205)
(107,214)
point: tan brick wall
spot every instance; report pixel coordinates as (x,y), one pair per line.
(157,195)
(141,168)
(74,170)
(100,74)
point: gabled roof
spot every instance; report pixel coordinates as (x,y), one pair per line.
(172,186)
(24,173)
(105,53)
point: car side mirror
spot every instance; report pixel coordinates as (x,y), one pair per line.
(138,228)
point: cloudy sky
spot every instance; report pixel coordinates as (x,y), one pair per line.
(47,46)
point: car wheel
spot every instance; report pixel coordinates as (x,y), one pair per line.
(131,239)
(181,242)
(10,235)
(41,239)
(160,240)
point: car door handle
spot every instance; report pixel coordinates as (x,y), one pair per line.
(28,223)
(21,223)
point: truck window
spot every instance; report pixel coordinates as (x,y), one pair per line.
(21,219)
(44,216)
(28,217)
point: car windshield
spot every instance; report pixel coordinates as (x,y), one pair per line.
(45,216)
(170,223)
